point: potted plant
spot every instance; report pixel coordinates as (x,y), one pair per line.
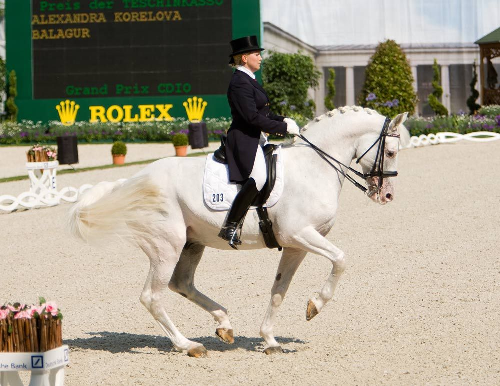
(180,142)
(119,150)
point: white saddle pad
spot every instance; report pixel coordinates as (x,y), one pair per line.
(219,193)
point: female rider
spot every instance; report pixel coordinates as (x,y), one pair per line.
(251,119)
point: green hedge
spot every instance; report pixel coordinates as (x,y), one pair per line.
(28,132)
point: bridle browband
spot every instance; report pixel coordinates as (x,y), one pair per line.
(378,164)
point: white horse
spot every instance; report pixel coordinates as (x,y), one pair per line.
(161,210)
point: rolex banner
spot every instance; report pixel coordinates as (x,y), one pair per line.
(123,60)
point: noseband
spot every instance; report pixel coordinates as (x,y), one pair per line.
(377,169)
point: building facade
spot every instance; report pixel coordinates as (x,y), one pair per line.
(349,62)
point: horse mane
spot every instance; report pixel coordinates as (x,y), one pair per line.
(330,114)
(339,111)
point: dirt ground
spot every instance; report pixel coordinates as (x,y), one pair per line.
(418,304)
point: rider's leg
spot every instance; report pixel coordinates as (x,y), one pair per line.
(238,210)
(244,199)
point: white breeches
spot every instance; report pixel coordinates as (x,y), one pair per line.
(259,173)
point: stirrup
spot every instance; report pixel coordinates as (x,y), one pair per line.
(230,234)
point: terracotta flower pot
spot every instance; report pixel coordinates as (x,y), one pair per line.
(181,151)
(118,159)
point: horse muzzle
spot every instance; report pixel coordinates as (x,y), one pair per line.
(381,194)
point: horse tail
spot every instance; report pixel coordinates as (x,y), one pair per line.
(127,209)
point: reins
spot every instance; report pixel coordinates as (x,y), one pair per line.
(378,164)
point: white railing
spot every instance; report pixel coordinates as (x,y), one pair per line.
(43,189)
(447,137)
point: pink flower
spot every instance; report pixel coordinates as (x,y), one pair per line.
(4,313)
(51,307)
(14,309)
(22,315)
(34,309)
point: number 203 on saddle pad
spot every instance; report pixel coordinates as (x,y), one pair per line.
(219,193)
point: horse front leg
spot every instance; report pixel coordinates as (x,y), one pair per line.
(182,282)
(311,240)
(163,257)
(290,261)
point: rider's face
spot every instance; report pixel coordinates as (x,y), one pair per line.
(252,60)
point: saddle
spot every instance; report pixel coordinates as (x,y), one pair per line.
(265,224)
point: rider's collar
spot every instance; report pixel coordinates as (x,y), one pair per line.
(246,71)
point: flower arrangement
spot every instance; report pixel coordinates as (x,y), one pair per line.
(153,131)
(30,328)
(41,153)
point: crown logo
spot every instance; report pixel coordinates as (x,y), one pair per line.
(67,112)
(195,107)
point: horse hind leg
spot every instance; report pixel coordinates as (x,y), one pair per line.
(311,240)
(290,261)
(182,282)
(163,258)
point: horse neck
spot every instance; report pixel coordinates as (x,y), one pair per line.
(339,135)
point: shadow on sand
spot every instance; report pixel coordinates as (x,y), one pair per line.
(115,342)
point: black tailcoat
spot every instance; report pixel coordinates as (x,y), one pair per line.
(250,111)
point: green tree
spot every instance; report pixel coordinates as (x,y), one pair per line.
(330,85)
(11,95)
(437,91)
(286,79)
(471,101)
(388,86)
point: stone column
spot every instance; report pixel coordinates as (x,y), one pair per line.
(349,86)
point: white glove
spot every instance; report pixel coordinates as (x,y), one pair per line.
(291,126)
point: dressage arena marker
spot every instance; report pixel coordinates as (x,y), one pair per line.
(43,185)
(47,368)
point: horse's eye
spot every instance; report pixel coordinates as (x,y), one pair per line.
(391,154)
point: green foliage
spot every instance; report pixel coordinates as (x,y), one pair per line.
(119,148)
(471,101)
(286,79)
(388,84)
(11,106)
(180,139)
(437,91)
(330,85)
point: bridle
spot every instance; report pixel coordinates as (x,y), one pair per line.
(377,170)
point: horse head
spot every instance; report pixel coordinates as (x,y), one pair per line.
(378,158)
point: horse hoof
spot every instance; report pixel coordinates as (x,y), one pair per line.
(273,350)
(198,352)
(225,334)
(312,311)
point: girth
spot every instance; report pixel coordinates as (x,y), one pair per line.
(265,224)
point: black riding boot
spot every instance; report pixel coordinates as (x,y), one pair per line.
(238,210)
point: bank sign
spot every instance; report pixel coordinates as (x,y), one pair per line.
(124,60)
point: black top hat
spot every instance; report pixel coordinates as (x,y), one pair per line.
(244,44)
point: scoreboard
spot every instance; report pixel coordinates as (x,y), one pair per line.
(108,53)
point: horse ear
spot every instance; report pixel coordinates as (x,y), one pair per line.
(396,127)
(396,122)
